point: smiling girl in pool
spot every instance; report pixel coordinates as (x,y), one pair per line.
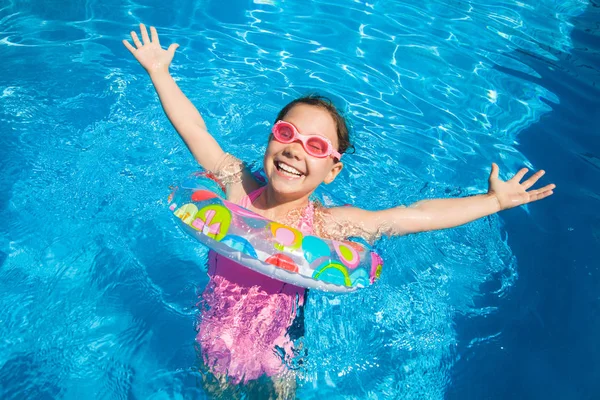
(244,330)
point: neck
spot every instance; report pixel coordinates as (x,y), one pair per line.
(277,207)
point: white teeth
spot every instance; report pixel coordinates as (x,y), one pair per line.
(289,169)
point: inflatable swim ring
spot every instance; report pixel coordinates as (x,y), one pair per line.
(271,248)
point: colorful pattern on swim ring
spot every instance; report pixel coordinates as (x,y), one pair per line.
(285,237)
(333,272)
(187,213)
(212,220)
(315,248)
(240,244)
(200,195)
(359,277)
(279,251)
(376,267)
(282,261)
(348,255)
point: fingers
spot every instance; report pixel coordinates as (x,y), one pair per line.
(144,32)
(145,38)
(533,179)
(129,46)
(495,170)
(519,175)
(135,39)
(541,193)
(172,48)
(154,35)
(546,188)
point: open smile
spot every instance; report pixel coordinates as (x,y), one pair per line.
(287,170)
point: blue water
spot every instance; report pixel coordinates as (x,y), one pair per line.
(99,287)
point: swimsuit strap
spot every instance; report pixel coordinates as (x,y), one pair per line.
(249,199)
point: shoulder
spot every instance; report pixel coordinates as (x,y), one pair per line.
(236,177)
(343,222)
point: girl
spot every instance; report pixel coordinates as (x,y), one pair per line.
(244,330)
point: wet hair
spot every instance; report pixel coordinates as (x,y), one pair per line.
(343,131)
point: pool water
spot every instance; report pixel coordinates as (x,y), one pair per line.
(99,287)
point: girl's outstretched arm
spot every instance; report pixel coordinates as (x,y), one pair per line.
(428,215)
(185,118)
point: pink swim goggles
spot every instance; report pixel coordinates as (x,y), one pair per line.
(315,145)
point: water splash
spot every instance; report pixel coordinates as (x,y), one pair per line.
(99,287)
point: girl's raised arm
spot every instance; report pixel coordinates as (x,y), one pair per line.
(185,118)
(434,214)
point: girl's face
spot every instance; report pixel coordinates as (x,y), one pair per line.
(289,168)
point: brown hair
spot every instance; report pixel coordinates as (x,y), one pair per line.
(343,133)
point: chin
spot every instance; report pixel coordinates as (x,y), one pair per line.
(283,185)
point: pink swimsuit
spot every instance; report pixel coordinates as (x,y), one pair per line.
(243,331)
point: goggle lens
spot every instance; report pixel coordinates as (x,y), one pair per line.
(316,146)
(284,132)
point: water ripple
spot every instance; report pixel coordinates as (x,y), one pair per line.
(99,287)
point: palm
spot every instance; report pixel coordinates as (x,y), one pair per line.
(148,52)
(513,192)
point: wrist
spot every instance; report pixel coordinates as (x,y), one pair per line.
(494,202)
(159,74)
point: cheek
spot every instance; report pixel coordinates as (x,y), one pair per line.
(318,166)
(271,148)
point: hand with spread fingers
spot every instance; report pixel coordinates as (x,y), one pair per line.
(148,52)
(513,192)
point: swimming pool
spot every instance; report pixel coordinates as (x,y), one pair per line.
(99,288)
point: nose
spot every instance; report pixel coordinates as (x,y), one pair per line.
(294,150)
